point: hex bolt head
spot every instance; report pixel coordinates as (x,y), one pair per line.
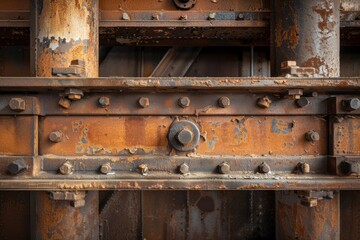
(56,136)
(17,167)
(184,169)
(312,136)
(184,136)
(66,169)
(264,102)
(155,16)
(105,168)
(348,168)
(125,16)
(144,102)
(264,168)
(224,102)
(17,104)
(184,102)
(143,169)
(224,168)
(302,102)
(104,102)
(64,103)
(351,104)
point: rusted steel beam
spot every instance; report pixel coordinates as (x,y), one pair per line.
(56,219)
(296,221)
(259,84)
(307,32)
(64,40)
(323,182)
(63,31)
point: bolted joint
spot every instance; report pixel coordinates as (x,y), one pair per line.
(224,102)
(56,136)
(312,136)
(350,105)
(184,102)
(264,168)
(104,102)
(17,104)
(143,169)
(144,102)
(264,102)
(17,167)
(74,94)
(224,168)
(184,169)
(66,169)
(106,168)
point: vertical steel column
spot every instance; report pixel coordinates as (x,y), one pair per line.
(63,31)
(308,32)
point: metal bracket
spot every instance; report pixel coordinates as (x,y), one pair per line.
(77,199)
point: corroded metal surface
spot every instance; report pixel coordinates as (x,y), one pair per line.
(307,32)
(301,222)
(65,31)
(58,220)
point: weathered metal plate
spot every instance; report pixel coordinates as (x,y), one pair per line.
(346,136)
(237,135)
(18,135)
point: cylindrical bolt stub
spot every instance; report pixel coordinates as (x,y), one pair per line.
(17,167)
(56,136)
(144,102)
(224,168)
(264,168)
(104,102)
(105,168)
(302,102)
(184,169)
(17,104)
(264,102)
(224,102)
(143,169)
(350,105)
(349,168)
(312,136)
(66,169)
(184,102)
(184,136)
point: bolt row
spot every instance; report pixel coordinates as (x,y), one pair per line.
(19,104)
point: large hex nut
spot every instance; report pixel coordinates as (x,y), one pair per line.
(184,135)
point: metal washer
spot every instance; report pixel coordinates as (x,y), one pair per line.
(177,127)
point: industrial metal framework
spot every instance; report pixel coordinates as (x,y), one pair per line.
(138,120)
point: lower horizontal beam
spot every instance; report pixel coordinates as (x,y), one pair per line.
(286,183)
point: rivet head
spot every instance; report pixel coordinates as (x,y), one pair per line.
(212,16)
(184,102)
(17,166)
(66,169)
(56,136)
(104,102)
(17,104)
(143,169)
(184,169)
(350,105)
(264,102)
(224,102)
(264,168)
(224,168)
(105,168)
(302,102)
(144,102)
(312,136)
